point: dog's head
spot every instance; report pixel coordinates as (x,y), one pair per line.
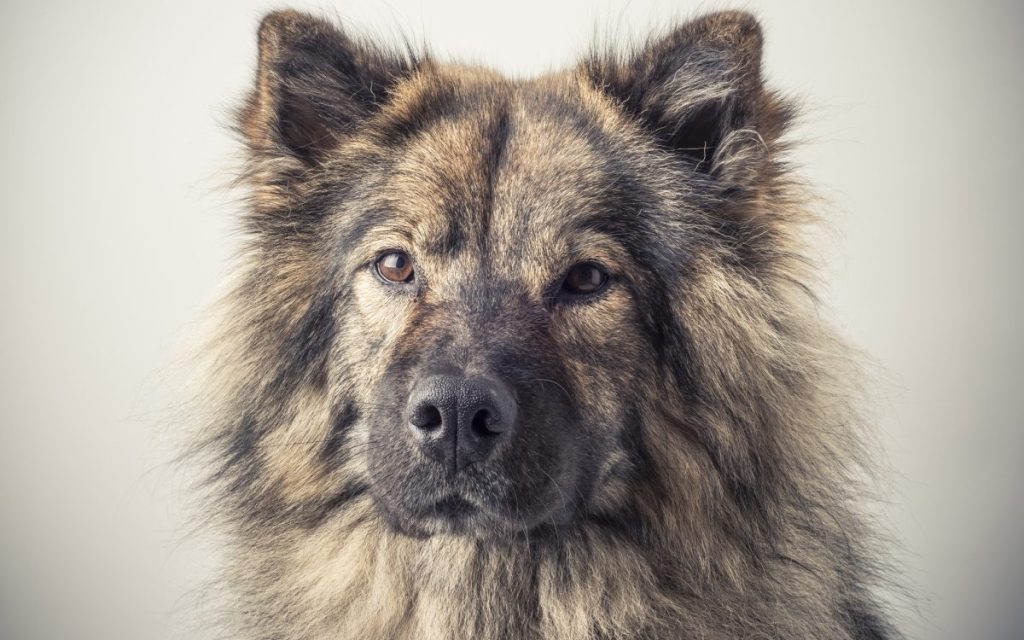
(465,295)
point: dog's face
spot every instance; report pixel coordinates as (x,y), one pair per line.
(479,269)
(494,311)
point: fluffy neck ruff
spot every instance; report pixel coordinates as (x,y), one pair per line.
(356,578)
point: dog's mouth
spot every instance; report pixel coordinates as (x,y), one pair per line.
(452,514)
(451,508)
(461,513)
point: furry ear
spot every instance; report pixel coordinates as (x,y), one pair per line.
(313,85)
(695,86)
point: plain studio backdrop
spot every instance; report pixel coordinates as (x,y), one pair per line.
(116,229)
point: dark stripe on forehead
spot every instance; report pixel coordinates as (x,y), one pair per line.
(486,126)
(497,133)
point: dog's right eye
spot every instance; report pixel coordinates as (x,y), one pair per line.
(584,279)
(395,266)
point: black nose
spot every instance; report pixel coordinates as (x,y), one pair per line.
(458,420)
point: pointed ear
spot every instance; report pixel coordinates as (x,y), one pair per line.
(694,87)
(313,85)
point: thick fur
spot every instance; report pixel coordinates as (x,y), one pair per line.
(694,461)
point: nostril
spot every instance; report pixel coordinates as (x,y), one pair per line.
(426,417)
(484,423)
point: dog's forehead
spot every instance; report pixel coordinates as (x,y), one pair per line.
(512,170)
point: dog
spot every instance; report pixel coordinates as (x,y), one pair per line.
(531,358)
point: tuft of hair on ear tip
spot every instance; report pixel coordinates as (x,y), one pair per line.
(740,28)
(736,34)
(279,29)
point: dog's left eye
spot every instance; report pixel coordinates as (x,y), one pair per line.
(586,278)
(395,266)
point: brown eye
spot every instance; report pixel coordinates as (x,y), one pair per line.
(395,267)
(584,279)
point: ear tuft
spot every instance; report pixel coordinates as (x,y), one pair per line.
(280,29)
(738,32)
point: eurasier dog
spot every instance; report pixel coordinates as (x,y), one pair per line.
(530,358)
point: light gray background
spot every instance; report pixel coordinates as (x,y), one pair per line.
(114,232)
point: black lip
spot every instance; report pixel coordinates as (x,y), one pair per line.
(452,508)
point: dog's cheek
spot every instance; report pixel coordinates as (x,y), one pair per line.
(603,353)
(294,466)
